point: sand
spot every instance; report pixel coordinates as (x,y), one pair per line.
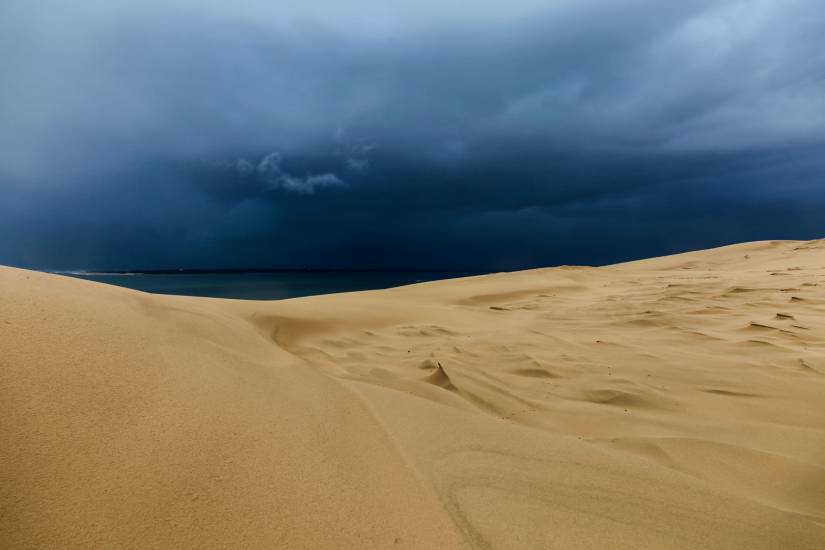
(677,402)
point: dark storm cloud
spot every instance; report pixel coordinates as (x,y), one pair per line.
(486,134)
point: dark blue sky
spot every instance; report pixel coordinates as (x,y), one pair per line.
(481,135)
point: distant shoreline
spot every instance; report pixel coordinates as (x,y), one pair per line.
(251,271)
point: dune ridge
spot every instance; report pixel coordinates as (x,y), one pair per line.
(676,402)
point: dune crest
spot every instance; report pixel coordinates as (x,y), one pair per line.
(676,402)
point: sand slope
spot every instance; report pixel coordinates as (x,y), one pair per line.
(677,402)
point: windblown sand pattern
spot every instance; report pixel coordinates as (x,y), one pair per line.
(677,402)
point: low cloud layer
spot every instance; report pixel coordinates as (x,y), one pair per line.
(418,134)
(273,177)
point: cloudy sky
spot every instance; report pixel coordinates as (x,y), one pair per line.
(485,134)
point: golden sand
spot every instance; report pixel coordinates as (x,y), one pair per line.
(677,402)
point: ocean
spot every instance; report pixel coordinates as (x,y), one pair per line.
(266,286)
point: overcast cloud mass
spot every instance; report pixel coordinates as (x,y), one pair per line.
(484,134)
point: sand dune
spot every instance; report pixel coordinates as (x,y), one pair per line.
(677,402)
